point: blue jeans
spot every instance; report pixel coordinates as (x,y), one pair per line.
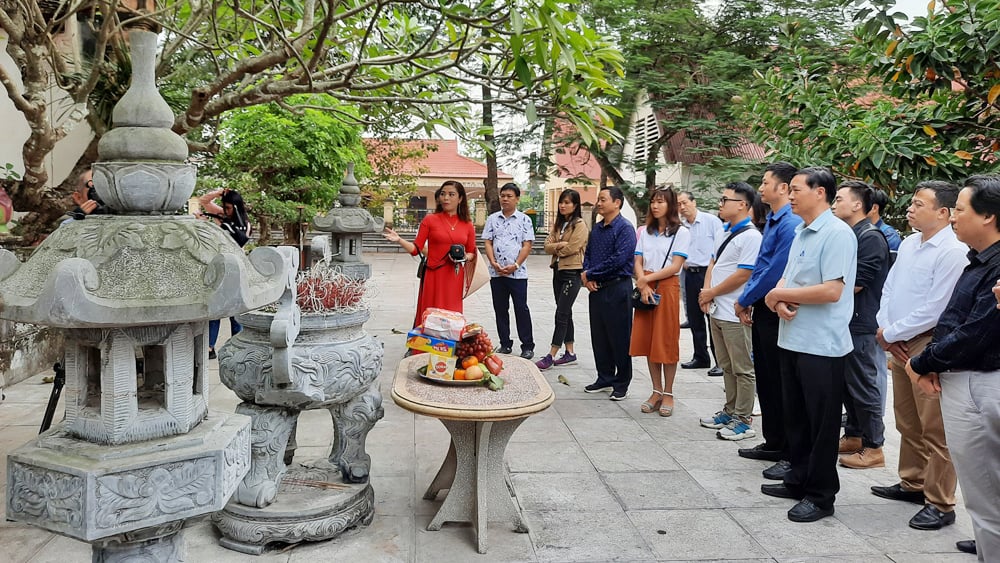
(213,330)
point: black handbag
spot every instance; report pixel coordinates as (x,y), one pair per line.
(637,301)
(422,267)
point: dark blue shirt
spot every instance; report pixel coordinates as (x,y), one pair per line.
(965,338)
(779,231)
(891,235)
(610,250)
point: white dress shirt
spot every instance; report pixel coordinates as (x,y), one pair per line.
(706,233)
(920,284)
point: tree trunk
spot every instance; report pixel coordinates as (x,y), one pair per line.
(492,194)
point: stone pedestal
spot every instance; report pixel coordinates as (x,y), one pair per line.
(333,364)
(312,504)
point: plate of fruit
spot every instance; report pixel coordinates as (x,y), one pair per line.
(422,372)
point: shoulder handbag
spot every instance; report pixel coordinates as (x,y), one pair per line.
(422,267)
(637,301)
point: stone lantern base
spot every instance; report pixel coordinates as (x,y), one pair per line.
(131,498)
(313,504)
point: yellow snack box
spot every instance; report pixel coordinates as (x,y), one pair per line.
(441,367)
(430,344)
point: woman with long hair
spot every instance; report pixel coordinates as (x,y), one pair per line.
(566,242)
(445,279)
(659,256)
(232,217)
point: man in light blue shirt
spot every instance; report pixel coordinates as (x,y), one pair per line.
(815,301)
(508,235)
(706,235)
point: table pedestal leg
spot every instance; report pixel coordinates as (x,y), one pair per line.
(480,487)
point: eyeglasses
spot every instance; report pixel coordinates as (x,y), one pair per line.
(724,199)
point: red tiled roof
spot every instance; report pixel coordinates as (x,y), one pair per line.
(576,162)
(445,162)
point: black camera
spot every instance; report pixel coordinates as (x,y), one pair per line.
(457,253)
(92,195)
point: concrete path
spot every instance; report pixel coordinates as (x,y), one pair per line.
(597,480)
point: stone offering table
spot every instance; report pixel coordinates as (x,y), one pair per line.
(481,423)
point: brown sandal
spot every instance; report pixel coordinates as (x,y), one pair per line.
(664,409)
(649,407)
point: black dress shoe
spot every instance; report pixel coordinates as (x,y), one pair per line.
(780,490)
(930,518)
(211,354)
(527,353)
(966,546)
(504,350)
(897,492)
(806,511)
(760,451)
(716,371)
(777,471)
(694,364)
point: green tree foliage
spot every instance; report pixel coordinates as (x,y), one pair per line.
(405,66)
(280,160)
(692,66)
(897,103)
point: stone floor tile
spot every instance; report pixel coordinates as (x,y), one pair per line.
(629,456)
(61,550)
(885,527)
(21,542)
(548,457)
(456,542)
(737,488)
(712,455)
(658,489)
(542,429)
(389,539)
(687,535)
(845,559)
(587,430)
(394,495)
(391,459)
(782,538)
(954,557)
(563,492)
(571,536)
(589,408)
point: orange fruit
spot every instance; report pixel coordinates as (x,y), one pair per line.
(460,374)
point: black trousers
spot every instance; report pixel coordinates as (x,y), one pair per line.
(565,287)
(611,332)
(767,368)
(505,290)
(697,320)
(813,389)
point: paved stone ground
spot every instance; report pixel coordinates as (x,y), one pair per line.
(597,480)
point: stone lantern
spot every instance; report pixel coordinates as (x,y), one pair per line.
(346,225)
(133,289)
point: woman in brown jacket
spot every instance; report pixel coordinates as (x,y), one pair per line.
(566,242)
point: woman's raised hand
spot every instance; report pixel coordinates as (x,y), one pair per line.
(391,235)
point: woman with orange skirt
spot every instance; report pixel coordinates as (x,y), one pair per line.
(659,256)
(445,279)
